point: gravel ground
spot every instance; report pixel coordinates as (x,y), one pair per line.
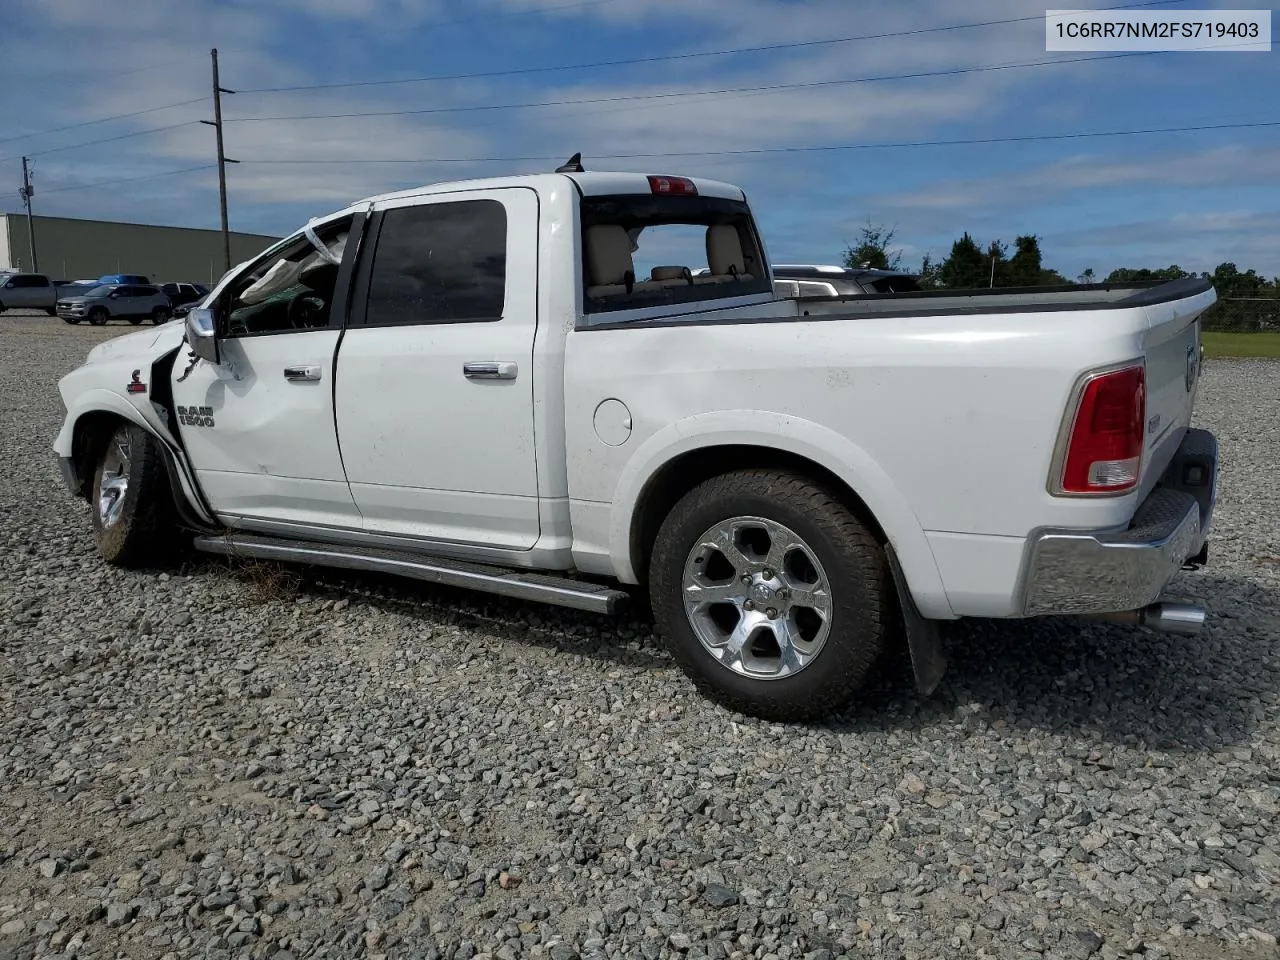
(227,763)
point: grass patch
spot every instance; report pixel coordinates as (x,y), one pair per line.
(267,582)
(1219,345)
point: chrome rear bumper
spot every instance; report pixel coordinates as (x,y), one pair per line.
(1095,572)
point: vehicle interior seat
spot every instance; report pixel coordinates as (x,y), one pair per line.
(671,276)
(725,258)
(609,265)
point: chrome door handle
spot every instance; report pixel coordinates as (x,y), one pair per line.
(489,370)
(296,374)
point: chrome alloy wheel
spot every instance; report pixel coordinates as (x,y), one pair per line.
(757,598)
(115,480)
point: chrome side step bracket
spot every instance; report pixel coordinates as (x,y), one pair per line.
(517,584)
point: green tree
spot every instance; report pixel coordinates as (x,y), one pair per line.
(1088,276)
(1230,282)
(966,267)
(1142,275)
(930,273)
(873,250)
(1025,267)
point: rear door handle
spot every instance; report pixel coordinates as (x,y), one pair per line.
(489,370)
(297,374)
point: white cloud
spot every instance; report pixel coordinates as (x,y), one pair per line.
(812,202)
(1233,164)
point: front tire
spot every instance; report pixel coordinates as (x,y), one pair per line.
(98,317)
(160,315)
(771,595)
(133,516)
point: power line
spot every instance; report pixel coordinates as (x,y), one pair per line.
(28,79)
(795,45)
(89,123)
(772,88)
(122,136)
(148,176)
(762,151)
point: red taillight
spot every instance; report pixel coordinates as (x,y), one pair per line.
(675,186)
(1104,454)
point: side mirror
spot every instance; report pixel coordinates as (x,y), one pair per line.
(202,335)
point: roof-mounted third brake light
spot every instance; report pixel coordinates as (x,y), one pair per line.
(673,186)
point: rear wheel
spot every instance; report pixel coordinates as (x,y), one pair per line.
(770,594)
(98,317)
(160,315)
(133,516)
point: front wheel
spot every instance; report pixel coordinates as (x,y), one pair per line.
(160,315)
(133,516)
(98,317)
(770,593)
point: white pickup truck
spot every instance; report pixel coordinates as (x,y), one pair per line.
(481,385)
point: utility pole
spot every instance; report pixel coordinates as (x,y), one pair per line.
(216,123)
(27,191)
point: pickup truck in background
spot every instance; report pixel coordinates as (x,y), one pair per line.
(27,291)
(809,281)
(516,385)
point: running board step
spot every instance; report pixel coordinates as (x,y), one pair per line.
(502,581)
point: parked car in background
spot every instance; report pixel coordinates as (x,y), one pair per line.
(806,281)
(27,291)
(130,278)
(134,302)
(183,295)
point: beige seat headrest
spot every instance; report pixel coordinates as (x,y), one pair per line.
(724,250)
(608,254)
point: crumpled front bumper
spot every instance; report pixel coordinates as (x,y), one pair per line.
(1085,572)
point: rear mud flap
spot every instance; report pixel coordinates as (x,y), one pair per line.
(924,639)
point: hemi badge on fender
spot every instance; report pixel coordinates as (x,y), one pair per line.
(136,386)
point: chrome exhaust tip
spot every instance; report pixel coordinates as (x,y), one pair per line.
(1184,618)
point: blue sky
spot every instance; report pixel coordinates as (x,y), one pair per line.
(1195,199)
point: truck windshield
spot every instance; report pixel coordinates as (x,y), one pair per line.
(642,251)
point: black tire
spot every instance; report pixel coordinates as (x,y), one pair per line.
(851,558)
(143,531)
(98,317)
(160,315)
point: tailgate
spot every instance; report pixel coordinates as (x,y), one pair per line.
(1173,374)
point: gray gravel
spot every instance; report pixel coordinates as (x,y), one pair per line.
(218,763)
